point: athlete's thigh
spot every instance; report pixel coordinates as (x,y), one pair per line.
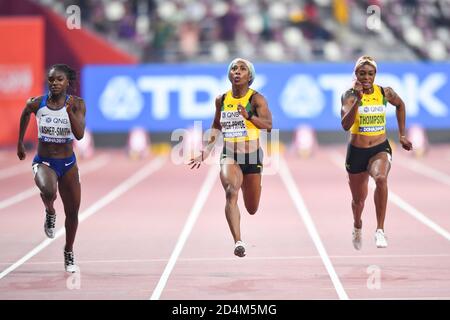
(379,164)
(358,183)
(45,177)
(70,189)
(230,173)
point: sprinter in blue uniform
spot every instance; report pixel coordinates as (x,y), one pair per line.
(60,118)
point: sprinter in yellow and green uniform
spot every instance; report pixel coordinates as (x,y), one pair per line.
(240,114)
(371,114)
(363,112)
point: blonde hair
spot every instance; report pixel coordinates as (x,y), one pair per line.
(250,67)
(365,60)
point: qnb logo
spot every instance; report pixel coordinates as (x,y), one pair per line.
(230,114)
(372,109)
(377,109)
(60,121)
(374,280)
(56,120)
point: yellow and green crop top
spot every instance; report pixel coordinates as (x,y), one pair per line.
(370,119)
(234,127)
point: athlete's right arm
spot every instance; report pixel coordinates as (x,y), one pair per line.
(350,102)
(215,128)
(31,107)
(213,135)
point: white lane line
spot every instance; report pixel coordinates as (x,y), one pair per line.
(425,170)
(88,167)
(200,201)
(28,193)
(415,213)
(102,202)
(302,210)
(94,164)
(207,259)
(14,170)
(338,160)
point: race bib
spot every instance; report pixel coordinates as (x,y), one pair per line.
(233,124)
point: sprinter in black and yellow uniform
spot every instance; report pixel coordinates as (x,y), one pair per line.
(369,153)
(240,114)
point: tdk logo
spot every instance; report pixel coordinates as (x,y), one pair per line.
(124,97)
(164,97)
(121,99)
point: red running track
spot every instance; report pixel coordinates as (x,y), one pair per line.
(153,229)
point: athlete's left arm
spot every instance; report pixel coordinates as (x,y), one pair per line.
(394,99)
(77,114)
(262,119)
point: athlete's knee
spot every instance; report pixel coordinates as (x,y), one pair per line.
(380,180)
(251,209)
(231,192)
(359,202)
(48,193)
(71,216)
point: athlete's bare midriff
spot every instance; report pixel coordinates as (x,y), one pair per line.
(362,141)
(242,146)
(55,150)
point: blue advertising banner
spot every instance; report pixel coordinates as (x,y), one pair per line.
(164,97)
